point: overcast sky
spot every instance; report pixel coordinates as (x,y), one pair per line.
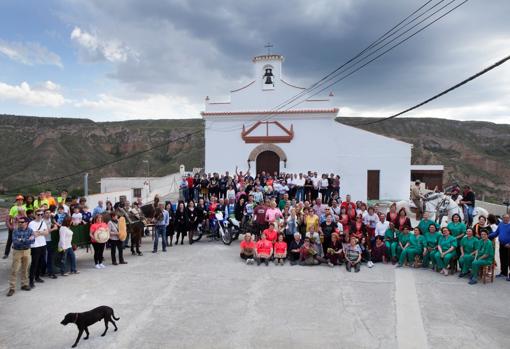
(117,60)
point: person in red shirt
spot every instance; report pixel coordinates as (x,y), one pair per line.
(248,249)
(259,218)
(271,233)
(280,250)
(264,250)
(348,203)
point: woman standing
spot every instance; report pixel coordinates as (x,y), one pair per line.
(468,247)
(66,247)
(192,220)
(392,214)
(391,241)
(98,246)
(402,220)
(115,243)
(109,207)
(445,251)
(180,222)
(457,228)
(170,228)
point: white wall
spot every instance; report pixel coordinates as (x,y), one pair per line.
(320,144)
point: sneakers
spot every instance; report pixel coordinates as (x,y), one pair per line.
(64,274)
(370,264)
(331,264)
(102,265)
(445,272)
(10,293)
(248,261)
(75,272)
(98,266)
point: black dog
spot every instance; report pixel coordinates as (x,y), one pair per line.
(88,318)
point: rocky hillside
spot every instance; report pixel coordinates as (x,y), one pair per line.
(35,149)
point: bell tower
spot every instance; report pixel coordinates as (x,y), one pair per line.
(268,71)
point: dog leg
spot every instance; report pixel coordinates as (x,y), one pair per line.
(80,332)
(87,332)
(106,327)
(114,324)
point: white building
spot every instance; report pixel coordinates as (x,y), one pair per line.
(246,133)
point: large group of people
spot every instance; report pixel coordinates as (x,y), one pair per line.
(296,217)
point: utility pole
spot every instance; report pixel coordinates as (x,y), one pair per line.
(86,184)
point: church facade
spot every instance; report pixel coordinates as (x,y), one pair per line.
(251,133)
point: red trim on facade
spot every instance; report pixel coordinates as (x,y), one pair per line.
(245,134)
(242,88)
(286,83)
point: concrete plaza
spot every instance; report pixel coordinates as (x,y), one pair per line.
(203,296)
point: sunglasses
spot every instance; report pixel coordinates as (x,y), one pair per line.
(39,214)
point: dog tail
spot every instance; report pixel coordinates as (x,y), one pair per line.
(113,316)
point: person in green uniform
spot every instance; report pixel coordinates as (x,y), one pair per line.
(403,243)
(414,247)
(391,241)
(426,222)
(457,228)
(484,256)
(431,238)
(468,247)
(445,251)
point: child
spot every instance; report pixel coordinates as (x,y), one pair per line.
(264,250)
(353,255)
(280,250)
(86,215)
(60,216)
(77,216)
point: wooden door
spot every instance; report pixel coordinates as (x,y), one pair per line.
(269,162)
(373,177)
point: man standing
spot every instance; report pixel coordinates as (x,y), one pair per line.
(416,198)
(38,247)
(11,224)
(22,237)
(468,201)
(503,233)
(99,209)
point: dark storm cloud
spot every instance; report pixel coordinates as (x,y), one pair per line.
(199,48)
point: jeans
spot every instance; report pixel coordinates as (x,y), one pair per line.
(68,254)
(160,231)
(49,259)
(468,213)
(300,193)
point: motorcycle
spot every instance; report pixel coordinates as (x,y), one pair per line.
(218,229)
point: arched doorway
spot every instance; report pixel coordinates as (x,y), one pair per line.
(269,162)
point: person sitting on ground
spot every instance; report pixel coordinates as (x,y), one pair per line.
(280,250)
(264,250)
(468,247)
(315,240)
(271,233)
(334,252)
(295,248)
(22,238)
(366,256)
(308,253)
(391,242)
(248,249)
(484,256)
(353,255)
(445,251)
(379,253)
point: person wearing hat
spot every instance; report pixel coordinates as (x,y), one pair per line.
(11,224)
(38,246)
(22,237)
(416,198)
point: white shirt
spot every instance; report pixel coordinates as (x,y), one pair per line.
(39,240)
(315,181)
(370,220)
(380,228)
(299,182)
(66,236)
(77,218)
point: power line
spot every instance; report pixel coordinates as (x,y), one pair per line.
(109,162)
(471,78)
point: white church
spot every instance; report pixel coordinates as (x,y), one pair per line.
(247,133)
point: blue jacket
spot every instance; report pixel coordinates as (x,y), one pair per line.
(503,232)
(21,239)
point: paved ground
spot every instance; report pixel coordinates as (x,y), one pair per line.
(202,296)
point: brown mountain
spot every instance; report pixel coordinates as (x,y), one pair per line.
(36,149)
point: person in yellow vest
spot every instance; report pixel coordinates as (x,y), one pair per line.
(11,222)
(468,247)
(62,198)
(484,256)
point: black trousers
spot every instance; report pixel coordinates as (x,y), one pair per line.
(247,256)
(37,253)
(9,243)
(504,256)
(98,252)
(114,246)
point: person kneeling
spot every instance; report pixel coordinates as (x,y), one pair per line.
(248,249)
(353,255)
(264,250)
(280,250)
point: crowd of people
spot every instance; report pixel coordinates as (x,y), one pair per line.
(296,217)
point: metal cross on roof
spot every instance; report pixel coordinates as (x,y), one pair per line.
(268,46)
